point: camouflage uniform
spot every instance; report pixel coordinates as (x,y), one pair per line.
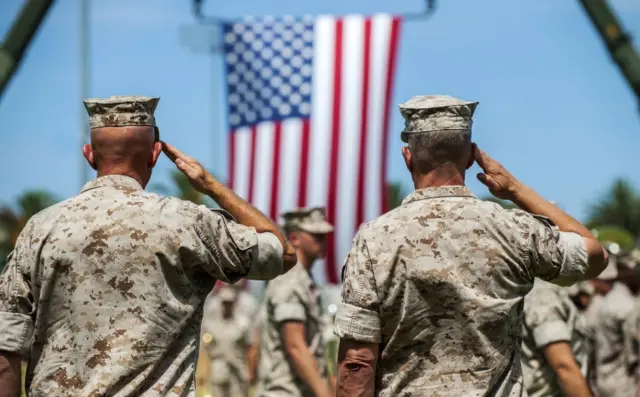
(293,296)
(613,376)
(439,282)
(227,341)
(103,293)
(550,316)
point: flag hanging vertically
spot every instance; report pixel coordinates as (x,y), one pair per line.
(308,108)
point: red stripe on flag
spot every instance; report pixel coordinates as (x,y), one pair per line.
(275,177)
(252,162)
(232,160)
(391,65)
(362,163)
(331,273)
(304,165)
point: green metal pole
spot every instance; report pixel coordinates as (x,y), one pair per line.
(617,41)
(20,35)
(84,84)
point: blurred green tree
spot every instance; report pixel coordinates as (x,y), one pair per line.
(14,218)
(395,194)
(619,206)
(181,188)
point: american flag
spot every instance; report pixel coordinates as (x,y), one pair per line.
(308,110)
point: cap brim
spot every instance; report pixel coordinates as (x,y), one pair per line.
(318,228)
(610,272)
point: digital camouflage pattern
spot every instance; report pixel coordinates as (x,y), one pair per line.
(103,293)
(439,283)
(613,375)
(311,220)
(121,111)
(436,113)
(631,331)
(293,296)
(550,316)
(227,346)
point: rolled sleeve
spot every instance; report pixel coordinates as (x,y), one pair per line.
(235,251)
(267,258)
(17,306)
(358,317)
(353,322)
(15,332)
(557,257)
(550,332)
(289,311)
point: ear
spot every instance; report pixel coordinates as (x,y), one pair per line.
(155,154)
(472,157)
(87,151)
(406,154)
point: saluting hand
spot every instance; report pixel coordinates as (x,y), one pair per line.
(499,181)
(199,178)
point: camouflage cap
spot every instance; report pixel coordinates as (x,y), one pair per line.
(581,287)
(630,260)
(312,220)
(436,113)
(228,294)
(121,111)
(611,271)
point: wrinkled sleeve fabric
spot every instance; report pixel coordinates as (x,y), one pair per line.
(288,303)
(235,251)
(17,304)
(545,317)
(358,316)
(555,256)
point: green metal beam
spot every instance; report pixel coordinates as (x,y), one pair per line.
(20,35)
(618,42)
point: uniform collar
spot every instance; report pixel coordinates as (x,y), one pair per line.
(305,274)
(116,181)
(438,192)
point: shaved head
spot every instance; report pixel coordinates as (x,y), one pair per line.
(123,150)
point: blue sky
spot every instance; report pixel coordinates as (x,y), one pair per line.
(553,107)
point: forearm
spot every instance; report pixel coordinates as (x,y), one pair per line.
(356,378)
(530,201)
(10,374)
(248,215)
(252,360)
(305,365)
(573,383)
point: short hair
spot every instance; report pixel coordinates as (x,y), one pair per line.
(432,149)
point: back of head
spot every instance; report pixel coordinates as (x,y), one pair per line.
(438,131)
(124,136)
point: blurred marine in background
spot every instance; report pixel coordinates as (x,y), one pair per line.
(103,292)
(555,343)
(433,290)
(292,348)
(226,340)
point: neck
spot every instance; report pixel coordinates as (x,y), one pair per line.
(306,260)
(133,174)
(446,175)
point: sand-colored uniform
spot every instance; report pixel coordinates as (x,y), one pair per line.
(103,293)
(293,296)
(614,377)
(439,283)
(550,316)
(226,341)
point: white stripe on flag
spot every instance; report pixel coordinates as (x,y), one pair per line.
(322,99)
(350,127)
(289,165)
(242,159)
(380,36)
(263,166)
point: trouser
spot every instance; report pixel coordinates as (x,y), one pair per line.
(230,389)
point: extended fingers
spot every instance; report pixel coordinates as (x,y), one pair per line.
(173,153)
